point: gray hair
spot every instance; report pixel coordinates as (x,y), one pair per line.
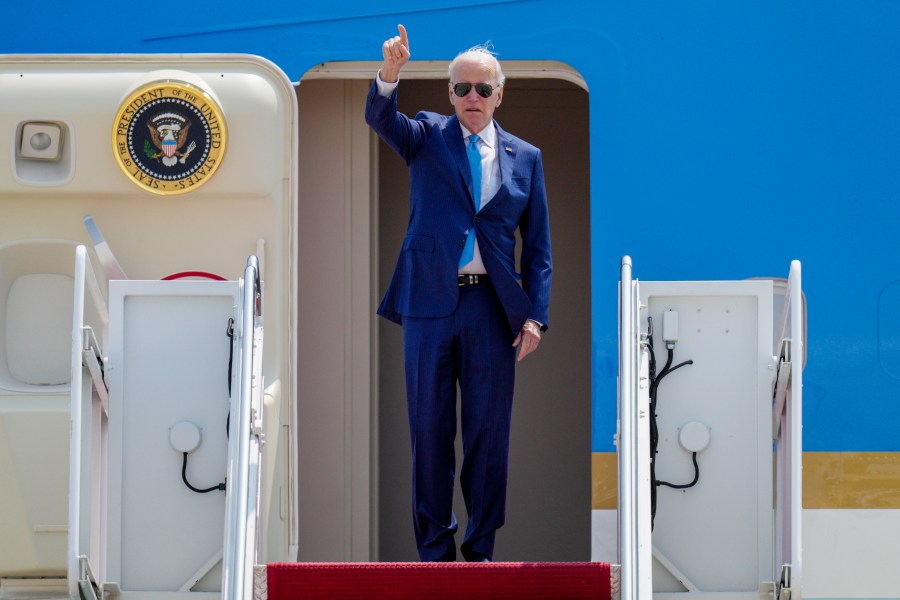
(483,54)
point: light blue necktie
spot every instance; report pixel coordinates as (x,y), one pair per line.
(474,157)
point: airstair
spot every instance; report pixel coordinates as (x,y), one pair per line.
(710,444)
(166,397)
(140,526)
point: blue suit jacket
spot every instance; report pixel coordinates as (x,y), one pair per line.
(441,212)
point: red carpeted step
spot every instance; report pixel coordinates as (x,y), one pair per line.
(438,581)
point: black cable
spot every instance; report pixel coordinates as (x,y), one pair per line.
(655,380)
(684,486)
(675,368)
(229,331)
(665,371)
(654,428)
(220,487)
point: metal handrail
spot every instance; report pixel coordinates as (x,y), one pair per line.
(243,448)
(788,432)
(796,409)
(84,277)
(633,446)
(626,447)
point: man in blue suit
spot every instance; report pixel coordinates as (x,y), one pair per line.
(467,315)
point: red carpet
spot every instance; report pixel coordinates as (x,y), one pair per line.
(438,581)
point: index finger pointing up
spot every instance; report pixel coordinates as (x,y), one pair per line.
(403,37)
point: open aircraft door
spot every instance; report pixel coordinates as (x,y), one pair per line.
(710,377)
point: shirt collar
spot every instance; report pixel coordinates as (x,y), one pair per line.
(488,135)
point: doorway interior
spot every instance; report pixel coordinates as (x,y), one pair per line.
(354,464)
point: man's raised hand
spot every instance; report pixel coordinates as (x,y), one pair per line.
(396,54)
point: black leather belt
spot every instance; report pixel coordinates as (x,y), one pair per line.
(472,279)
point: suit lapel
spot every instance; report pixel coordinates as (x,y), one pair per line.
(506,155)
(457,146)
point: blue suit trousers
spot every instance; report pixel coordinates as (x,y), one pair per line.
(472,348)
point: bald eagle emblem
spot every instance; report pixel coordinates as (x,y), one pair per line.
(169,137)
(168,132)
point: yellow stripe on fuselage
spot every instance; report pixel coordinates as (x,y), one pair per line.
(604,481)
(830,480)
(851,480)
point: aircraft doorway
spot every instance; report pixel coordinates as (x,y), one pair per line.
(549,501)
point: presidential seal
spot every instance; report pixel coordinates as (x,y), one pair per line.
(169,137)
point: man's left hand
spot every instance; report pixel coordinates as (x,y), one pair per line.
(528,339)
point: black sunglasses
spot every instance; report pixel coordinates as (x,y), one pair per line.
(482,89)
